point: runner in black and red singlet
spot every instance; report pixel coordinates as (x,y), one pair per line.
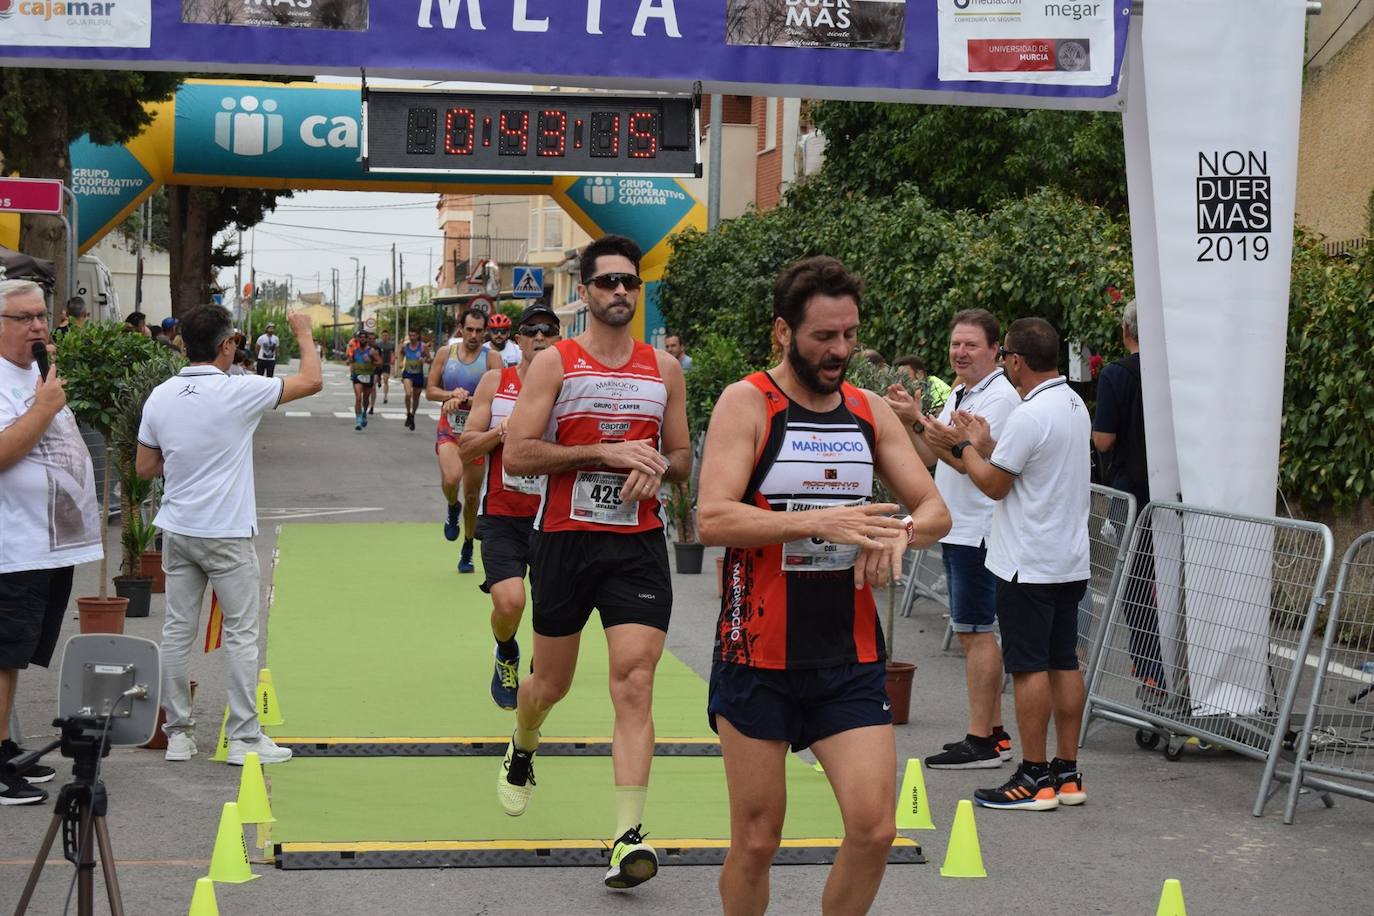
(787,486)
(613,411)
(508,503)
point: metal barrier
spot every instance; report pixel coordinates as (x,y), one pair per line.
(1209,629)
(922,570)
(1337,745)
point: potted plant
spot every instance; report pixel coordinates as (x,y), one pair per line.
(134,581)
(150,564)
(94,362)
(681,509)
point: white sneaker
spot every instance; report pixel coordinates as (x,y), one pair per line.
(263,746)
(180,746)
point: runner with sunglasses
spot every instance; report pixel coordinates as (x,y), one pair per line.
(506,517)
(615,414)
(457,369)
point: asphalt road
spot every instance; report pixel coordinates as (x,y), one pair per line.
(1146,820)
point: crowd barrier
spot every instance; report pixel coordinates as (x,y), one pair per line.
(1336,750)
(1209,630)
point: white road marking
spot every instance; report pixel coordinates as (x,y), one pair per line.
(1345,671)
(298,413)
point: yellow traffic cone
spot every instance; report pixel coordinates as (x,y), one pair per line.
(222,745)
(253,805)
(913,805)
(229,863)
(963,858)
(269,711)
(203,900)
(1171,899)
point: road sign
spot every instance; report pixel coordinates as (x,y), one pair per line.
(529,282)
(31,195)
(369,324)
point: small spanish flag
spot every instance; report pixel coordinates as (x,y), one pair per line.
(214,625)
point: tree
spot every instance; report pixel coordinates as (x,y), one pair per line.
(196,217)
(384,287)
(971,158)
(43,111)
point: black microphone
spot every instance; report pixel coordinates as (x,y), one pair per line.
(40,353)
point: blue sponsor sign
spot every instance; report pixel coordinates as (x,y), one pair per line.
(105,180)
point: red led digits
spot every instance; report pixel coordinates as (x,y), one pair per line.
(605,139)
(515,133)
(458,131)
(644,135)
(553,132)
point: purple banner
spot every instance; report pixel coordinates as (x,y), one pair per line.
(871,49)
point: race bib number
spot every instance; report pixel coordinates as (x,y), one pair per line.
(596,499)
(364,378)
(530,486)
(816,554)
(458,420)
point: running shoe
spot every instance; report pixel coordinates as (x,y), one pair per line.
(505,680)
(364,419)
(633,861)
(465,559)
(1002,739)
(1033,793)
(180,746)
(1068,782)
(16,791)
(451,523)
(358,424)
(515,780)
(969,754)
(35,772)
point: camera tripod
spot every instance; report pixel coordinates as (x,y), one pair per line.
(80,814)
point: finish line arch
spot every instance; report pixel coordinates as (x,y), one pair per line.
(308,137)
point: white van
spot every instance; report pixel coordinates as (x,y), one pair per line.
(95,284)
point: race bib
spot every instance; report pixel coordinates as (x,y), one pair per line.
(815,554)
(596,499)
(364,378)
(530,486)
(458,420)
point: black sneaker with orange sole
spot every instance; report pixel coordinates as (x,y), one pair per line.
(1022,791)
(1068,782)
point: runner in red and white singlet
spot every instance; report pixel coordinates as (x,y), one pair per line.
(603,416)
(787,487)
(508,502)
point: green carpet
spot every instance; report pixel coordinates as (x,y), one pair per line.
(374,634)
(408,799)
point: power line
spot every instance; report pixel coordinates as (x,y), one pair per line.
(1334,32)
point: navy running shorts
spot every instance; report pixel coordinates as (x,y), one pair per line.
(505,547)
(624,576)
(800,706)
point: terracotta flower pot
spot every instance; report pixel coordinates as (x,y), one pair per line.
(899,677)
(150,566)
(102,615)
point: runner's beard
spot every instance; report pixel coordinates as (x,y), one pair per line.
(809,374)
(620,317)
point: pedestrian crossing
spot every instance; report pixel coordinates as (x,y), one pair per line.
(335,402)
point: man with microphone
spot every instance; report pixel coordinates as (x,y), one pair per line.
(49,521)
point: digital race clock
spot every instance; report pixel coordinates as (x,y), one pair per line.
(561,133)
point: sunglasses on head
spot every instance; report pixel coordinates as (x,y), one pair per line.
(532,330)
(609,282)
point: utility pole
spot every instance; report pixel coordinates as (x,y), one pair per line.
(146,213)
(405,300)
(394,298)
(358,309)
(238,276)
(334,276)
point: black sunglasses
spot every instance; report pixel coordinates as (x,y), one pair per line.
(609,282)
(1003,353)
(532,330)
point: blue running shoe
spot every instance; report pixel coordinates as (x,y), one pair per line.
(451,523)
(465,559)
(505,680)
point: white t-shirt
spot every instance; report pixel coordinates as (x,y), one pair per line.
(267,346)
(49,517)
(994,398)
(510,354)
(1040,529)
(203,421)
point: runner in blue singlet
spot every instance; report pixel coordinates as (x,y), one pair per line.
(457,369)
(363,365)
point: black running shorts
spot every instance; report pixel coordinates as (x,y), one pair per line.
(799,706)
(505,547)
(624,576)
(1039,625)
(32,605)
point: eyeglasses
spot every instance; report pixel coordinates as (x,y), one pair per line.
(1003,353)
(609,282)
(27,319)
(533,330)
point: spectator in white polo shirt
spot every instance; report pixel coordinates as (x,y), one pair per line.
(1038,470)
(982,389)
(197,433)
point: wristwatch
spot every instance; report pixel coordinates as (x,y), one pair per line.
(910,529)
(957,449)
(918,428)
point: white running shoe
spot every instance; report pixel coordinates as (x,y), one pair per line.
(180,746)
(515,780)
(266,749)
